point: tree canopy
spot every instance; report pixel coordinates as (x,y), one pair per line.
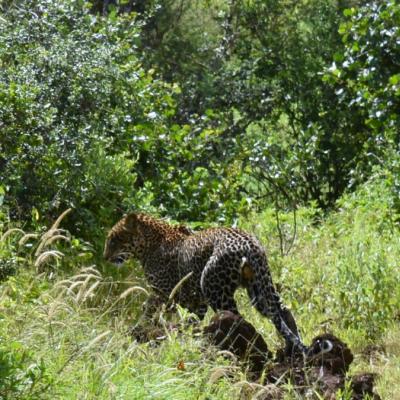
(199,110)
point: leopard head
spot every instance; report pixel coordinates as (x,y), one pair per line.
(124,240)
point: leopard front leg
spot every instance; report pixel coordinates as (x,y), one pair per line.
(146,322)
(153,305)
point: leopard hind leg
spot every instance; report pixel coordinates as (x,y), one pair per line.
(219,284)
(266,300)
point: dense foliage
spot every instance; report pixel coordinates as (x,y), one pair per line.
(64,316)
(365,75)
(70,85)
(84,125)
(368,67)
(198,110)
(282,116)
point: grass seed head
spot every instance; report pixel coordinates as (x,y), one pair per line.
(90,291)
(132,290)
(60,218)
(27,237)
(9,232)
(44,257)
(56,238)
(96,340)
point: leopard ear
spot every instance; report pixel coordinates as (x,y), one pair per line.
(131,222)
(185,229)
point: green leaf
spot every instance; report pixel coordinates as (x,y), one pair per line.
(394,79)
(348,12)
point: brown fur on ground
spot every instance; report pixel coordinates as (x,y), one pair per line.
(323,372)
(231,332)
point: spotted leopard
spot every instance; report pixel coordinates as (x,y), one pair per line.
(220,260)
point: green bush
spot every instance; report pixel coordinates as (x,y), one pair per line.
(71,83)
(340,270)
(85,126)
(21,376)
(367,71)
(9,260)
(275,100)
(365,77)
(356,281)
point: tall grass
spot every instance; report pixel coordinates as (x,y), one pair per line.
(64,319)
(343,272)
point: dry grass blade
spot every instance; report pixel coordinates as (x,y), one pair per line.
(252,385)
(178,285)
(268,390)
(218,373)
(81,280)
(44,240)
(52,232)
(92,269)
(44,257)
(226,353)
(85,276)
(54,238)
(82,289)
(62,283)
(96,340)
(57,306)
(8,233)
(122,296)
(27,237)
(256,391)
(90,291)
(60,218)
(71,288)
(134,289)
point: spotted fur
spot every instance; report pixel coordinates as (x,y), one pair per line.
(220,259)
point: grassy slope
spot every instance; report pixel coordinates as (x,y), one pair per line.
(62,335)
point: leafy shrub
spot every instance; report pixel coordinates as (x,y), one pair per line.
(70,82)
(20,375)
(340,271)
(271,86)
(365,273)
(85,126)
(366,80)
(368,68)
(8,266)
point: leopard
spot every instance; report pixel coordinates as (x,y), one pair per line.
(213,263)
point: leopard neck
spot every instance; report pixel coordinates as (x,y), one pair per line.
(158,233)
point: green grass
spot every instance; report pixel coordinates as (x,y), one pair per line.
(63,321)
(88,357)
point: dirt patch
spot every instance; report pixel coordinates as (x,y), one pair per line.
(323,370)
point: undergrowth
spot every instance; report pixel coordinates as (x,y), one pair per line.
(64,315)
